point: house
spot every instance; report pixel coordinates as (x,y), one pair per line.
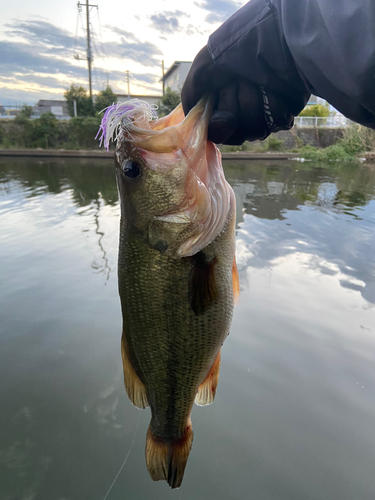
(175,76)
(58,108)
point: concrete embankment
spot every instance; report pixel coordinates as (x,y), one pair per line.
(108,155)
(64,153)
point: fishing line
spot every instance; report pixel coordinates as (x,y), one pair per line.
(126,458)
(76,37)
(100,27)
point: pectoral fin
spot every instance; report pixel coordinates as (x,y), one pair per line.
(207,390)
(236,282)
(203,290)
(135,388)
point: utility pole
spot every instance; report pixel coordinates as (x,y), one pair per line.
(88,44)
(89,53)
(127,76)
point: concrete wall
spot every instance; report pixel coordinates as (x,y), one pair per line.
(317,137)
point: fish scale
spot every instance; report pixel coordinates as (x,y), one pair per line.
(173,348)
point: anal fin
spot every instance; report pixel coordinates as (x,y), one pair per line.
(135,388)
(166,460)
(207,390)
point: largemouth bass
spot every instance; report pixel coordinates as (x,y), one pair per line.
(177,274)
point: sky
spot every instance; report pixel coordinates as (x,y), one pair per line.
(39,42)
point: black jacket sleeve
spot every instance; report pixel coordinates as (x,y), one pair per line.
(326,46)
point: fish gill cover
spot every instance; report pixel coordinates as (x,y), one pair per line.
(119,116)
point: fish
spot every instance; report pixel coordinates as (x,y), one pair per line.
(177,273)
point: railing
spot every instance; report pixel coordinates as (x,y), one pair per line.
(319,121)
(32,117)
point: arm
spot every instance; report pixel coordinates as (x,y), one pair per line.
(326,46)
(271,54)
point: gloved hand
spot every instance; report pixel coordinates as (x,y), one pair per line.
(242,110)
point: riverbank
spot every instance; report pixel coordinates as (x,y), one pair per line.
(80,153)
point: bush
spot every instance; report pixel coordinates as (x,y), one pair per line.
(315,110)
(82,131)
(272,143)
(246,146)
(168,102)
(48,132)
(45,131)
(334,152)
(356,140)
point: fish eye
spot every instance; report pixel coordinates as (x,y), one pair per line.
(131,169)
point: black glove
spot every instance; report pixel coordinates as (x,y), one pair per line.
(242,110)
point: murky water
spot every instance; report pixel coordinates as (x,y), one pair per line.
(294,416)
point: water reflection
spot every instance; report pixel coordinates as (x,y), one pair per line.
(294,413)
(325,236)
(100,267)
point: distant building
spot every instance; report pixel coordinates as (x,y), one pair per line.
(58,108)
(314,99)
(12,112)
(151,99)
(175,76)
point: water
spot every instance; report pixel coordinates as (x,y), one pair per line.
(294,415)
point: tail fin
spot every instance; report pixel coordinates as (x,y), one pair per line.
(166,460)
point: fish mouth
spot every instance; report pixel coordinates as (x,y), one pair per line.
(208,197)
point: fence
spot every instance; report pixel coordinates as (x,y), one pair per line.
(318,121)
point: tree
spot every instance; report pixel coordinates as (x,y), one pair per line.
(168,102)
(315,110)
(83,101)
(104,99)
(26,111)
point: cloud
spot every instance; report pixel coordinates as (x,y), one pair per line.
(129,47)
(38,53)
(167,22)
(219,10)
(146,77)
(46,39)
(49,38)
(140,52)
(125,34)
(18,57)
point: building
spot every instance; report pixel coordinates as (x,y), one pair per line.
(314,99)
(150,99)
(175,76)
(58,108)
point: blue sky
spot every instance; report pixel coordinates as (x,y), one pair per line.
(38,42)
